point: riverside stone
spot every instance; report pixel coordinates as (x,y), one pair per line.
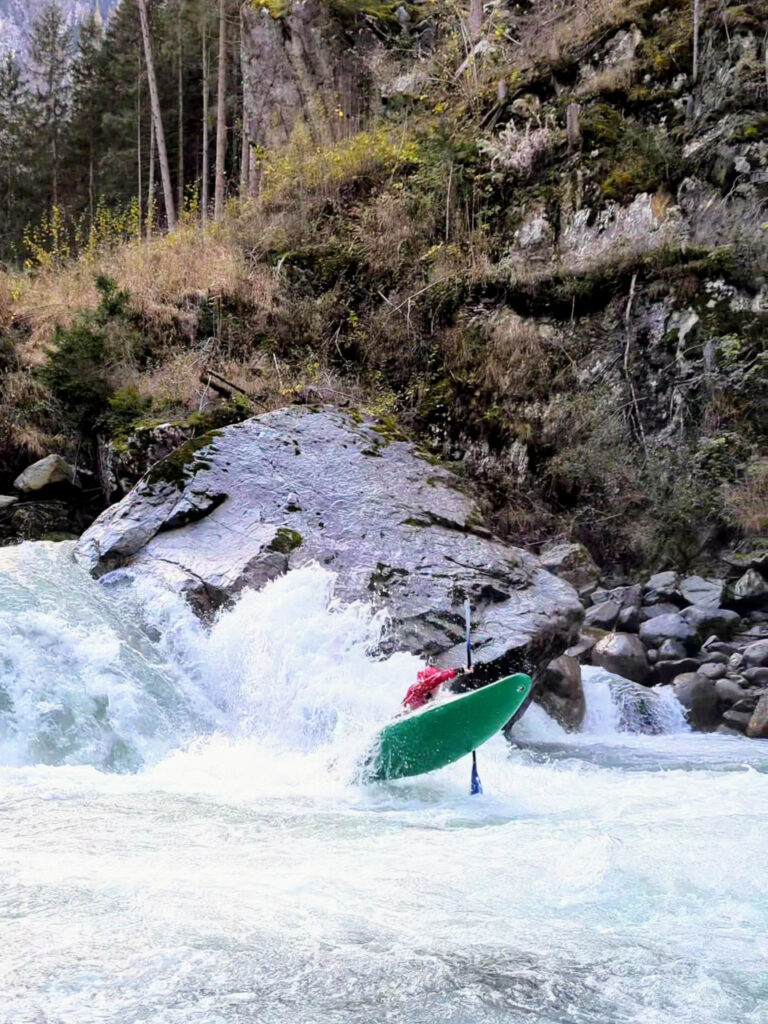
(752,586)
(757,728)
(727,690)
(737,720)
(756,676)
(756,655)
(672,650)
(602,616)
(629,619)
(698,695)
(560,692)
(651,611)
(214,518)
(655,631)
(53,469)
(706,621)
(573,563)
(623,654)
(6,500)
(663,586)
(666,671)
(706,593)
(712,670)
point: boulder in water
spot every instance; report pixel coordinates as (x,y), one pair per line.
(757,728)
(241,505)
(560,692)
(698,695)
(666,671)
(623,654)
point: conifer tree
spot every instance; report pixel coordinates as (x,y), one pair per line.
(50,57)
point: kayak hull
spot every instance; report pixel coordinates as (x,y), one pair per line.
(439,734)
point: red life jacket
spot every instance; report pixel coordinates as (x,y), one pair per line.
(427,682)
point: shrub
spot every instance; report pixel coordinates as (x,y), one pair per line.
(521,151)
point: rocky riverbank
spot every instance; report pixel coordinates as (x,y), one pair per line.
(706,638)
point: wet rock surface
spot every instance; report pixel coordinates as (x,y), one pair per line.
(235,508)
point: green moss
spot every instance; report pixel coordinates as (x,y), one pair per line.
(177,467)
(285,541)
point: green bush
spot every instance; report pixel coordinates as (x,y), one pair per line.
(77,368)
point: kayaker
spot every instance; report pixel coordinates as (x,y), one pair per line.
(428,682)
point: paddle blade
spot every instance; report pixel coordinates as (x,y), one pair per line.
(477,786)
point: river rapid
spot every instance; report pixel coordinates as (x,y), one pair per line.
(182,841)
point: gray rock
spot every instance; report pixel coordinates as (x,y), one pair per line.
(214,518)
(712,670)
(756,655)
(706,621)
(584,643)
(560,692)
(706,593)
(629,619)
(672,650)
(737,720)
(757,728)
(752,586)
(602,616)
(714,656)
(43,473)
(698,696)
(756,676)
(653,656)
(651,611)
(623,654)
(624,595)
(667,671)
(655,631)
(712,645)
(735,661)
(663,586)
(6,500)
(724,730)
(728,691)
(573,563)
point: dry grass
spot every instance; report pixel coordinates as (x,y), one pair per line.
(161,276)
(747,502)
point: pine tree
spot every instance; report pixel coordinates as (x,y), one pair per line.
(12,171)
(157,118)
(50,58)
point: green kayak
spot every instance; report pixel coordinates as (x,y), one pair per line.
(441,733)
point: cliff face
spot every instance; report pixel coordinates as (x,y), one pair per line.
(17,16)
(568,278)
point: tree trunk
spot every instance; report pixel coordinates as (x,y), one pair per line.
(157,119)
(151,183)
(221,125)
(206,173)
(180,54)
(696,19)
(138,149)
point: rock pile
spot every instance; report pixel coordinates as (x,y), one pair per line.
(705,638)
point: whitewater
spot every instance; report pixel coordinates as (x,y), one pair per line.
(182,840)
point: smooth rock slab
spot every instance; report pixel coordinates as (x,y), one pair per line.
(299,485)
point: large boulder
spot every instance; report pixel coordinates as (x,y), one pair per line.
(53,469)
(699,697)
(664,586)
(751,588)
(560,692)
(623,654)
(655,631)
(239,506)
(603,615)
(573,563)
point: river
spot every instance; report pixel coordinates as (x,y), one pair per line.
(182,841)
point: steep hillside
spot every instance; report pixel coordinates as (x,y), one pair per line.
(538,243)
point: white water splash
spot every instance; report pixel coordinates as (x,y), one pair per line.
(241,878)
